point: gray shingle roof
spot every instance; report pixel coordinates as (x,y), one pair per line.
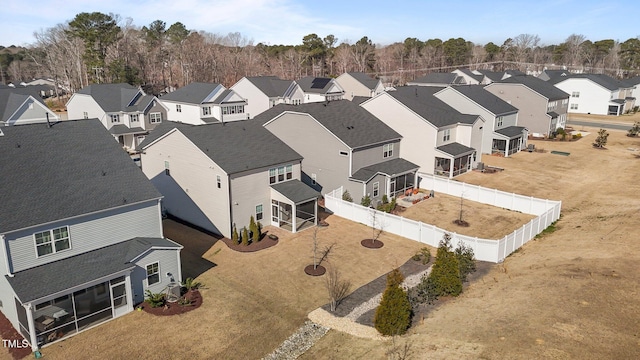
(391,167)
(296,191)
(194,93)
(352,124)
(70,169)
(471,74)
(121,129)
(111,97)
(632,81)
(365,79)
(420,99)
(542,87)
(553,114)
(316,85)
(482,97)
(492,75)
(455,149)
(44,280)
(439,78)
(235,146)
(511,131)
(359,99)
(601,79)
(12,98)
(272,86)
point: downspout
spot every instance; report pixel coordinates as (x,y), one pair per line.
(230,228)
(5,255)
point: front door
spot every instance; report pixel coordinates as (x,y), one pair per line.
(119,296)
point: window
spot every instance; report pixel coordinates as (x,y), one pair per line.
(153,273)
(115,118)
(233,109)
(206,111)
(283,173)
(258,212)
(85,115)
(52,241)
(565,101)
(574,106)
(575,94)
(313,179)
(499,121)
(166,168)
(155,118)
(446,135)
(218,181)
(178,108)
(289,172)
(344,153)
(30,106)
(134,117)
(387,150)
(297,101)
(272,176)
(376,189)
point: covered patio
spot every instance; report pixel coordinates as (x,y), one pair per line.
(129,138)
(509,140)
(456,159)
(399,175)
(294,205)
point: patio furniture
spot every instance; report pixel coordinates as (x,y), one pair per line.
(44,323)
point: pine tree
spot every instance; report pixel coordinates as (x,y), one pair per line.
(445,274)
(255,232)
(393,316)
(234,235)
(245,236)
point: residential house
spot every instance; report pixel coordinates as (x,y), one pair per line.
(596,94)
(23,105)
(542,106)
(547,74)
(218,175)
(264,92)
(319,89)
(435,136)
(126,111)
(634,82)
(81,232)
(343,145)
(501,133)
(201,103)
(438,79)
(470,77)
(359,84)
(493,76)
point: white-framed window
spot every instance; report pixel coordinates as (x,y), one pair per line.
(565,101)
(499,121)
(155,118)
(387,150)
(344,153)
(233,109)
(376,189)
(272,176)
(280,174)
(296,101)
(166,168)
(115,118)
(575,94)
(446,135)
(574,106)
(218,181)
(206,111)
(313,179)
(134,117)
(259,213)
(178,108)
(153,273)
(289,172)
(30,106)
(52,241)
(85,115)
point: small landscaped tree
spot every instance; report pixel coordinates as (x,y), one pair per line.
(255,231)
(365,201)
(466,260)
(601,139)
(234,235)
(245,236)
(635,129)
(393,316)
(336,287)
(445,274)
(346,196)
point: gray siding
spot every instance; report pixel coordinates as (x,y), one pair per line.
(168,263)
(157,108)
(373,155)
(383,189)
(87,233)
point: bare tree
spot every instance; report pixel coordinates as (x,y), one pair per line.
(336,287)
(523,45)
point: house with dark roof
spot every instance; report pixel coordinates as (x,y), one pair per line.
(596,94)
(634,82)
(547,74)
(23,105)
(438,79)
(218,175)
(359,84)
(81,235)
(343,145)
(542,106)
(126,111)
(435,136)
(470,77)
(316,89)
(264,92)
(201,103)
(501,131)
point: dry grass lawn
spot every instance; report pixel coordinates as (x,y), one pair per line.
(252,301)
(573,294)
(442,210)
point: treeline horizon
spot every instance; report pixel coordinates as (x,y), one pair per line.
(96,47)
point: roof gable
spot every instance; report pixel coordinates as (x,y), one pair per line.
(272,86)
(194,93)
(113,97)
(487,100)
(364,79)
(542,87)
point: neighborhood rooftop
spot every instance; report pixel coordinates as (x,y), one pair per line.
(194,93)
(235,146)
(603,80)
(106,95)
(420,100)
(12,98)
(542,87)
(365,79)
(315,85)
(487,100)
(351,123)
(74,168)
(272,86)
(439,78)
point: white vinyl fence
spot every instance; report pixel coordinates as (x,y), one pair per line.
(547,211)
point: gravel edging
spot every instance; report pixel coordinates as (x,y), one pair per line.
(345,325)
(301,341)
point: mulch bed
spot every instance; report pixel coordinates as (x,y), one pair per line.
(372,244)
(318,271)
(264,243)
(8,332)
(175,308)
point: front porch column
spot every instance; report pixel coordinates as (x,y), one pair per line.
(388,186)
(452,163)
(32,327)
(129,290)
(506,148)
(415,180)
(294,215)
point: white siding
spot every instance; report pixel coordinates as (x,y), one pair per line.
(190,191)
(88,233)
(257,101)
(594,99)
(81,103)
(190,113)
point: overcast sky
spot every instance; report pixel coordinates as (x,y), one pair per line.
(384,22)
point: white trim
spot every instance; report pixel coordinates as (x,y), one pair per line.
(146,271)
(142,254)
(256,212)
(373,189)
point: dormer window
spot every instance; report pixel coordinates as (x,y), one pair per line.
(206,111)
(133,117)
(178,108)
(115,118)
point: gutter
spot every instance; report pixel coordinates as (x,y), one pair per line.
(5,255)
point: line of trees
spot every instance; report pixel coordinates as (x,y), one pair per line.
(96,47)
